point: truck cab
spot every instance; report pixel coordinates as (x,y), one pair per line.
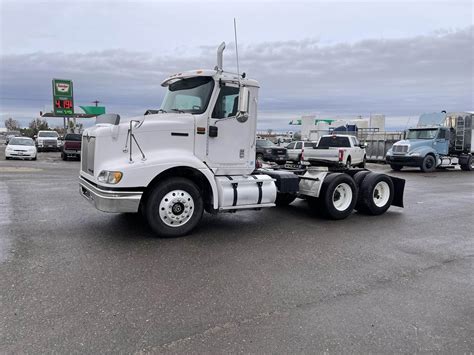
(422,147)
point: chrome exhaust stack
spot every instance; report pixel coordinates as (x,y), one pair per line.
(220,57)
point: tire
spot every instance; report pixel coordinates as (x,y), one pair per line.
(428,164)
(396,167)
(364,162)
(376,194)
(468,166)
(166,213)
(7,158)
(35,158)
(348,163)
(359,178)
(284,198)
(337,197)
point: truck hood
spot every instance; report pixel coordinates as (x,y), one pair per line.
(415,143)
(150,123)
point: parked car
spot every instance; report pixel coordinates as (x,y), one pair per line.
(10,136)
(21,148)
(337,150)
(71,146)
(48,140)
(268,151)
(294,149)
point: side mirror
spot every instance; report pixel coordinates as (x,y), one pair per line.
(35,136)
(363,145)
(244,97)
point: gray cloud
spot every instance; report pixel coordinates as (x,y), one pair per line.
(398,77)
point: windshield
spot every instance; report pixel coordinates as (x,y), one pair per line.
(21,141)
(188,95)
(334,142)
(264,143)
(73,137)
(422,133)
(48,134)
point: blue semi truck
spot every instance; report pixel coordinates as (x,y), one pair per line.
(440,140)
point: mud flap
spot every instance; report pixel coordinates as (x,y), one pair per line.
(399,187)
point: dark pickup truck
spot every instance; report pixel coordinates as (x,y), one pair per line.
(71,146)
(268,151)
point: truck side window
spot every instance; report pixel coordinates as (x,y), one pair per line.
(299,145)
(291,146)
(442,134)
(227,102)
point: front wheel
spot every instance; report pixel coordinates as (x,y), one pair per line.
(337,197)
(428,164)
(376,194)
(364,162)
(174,207)
(468,165)
(396,167)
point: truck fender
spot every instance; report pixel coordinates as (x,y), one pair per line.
(197,168)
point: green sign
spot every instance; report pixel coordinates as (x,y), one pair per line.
(63,100)
(93,110)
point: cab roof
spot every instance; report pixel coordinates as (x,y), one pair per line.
(216,74)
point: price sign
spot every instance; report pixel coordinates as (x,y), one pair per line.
(63,101)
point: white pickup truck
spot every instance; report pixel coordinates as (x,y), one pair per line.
(336,150)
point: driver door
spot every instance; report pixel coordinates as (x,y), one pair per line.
(229,152)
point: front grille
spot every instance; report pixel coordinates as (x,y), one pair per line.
(87,156)
(400,149)
(49,142)
(279,151)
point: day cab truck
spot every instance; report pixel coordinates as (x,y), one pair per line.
(336,150)
(440,140)
(197,153)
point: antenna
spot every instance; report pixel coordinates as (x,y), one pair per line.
(236,49)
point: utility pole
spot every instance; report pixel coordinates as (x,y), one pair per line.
(96,102)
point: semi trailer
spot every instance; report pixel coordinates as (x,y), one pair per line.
(440,140)
(197,153)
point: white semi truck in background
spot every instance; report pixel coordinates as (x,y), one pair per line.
(198,154)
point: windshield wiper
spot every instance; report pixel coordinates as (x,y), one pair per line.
(177,110)
(161,110)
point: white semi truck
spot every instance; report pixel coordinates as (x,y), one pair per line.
(197,153)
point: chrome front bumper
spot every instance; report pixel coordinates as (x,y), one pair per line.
(110,200)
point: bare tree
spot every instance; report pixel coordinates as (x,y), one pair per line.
(12,125)
(38,125)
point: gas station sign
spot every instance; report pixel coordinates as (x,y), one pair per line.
(63,101)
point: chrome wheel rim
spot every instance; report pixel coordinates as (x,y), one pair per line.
(342,197)
(176,208)
(381,194)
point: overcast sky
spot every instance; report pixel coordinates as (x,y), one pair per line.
(331,58)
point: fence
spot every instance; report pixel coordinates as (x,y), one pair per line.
(378,143)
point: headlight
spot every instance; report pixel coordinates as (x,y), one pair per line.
(389,152)
(415,154)
(8,149)
(268,151)
(110,177)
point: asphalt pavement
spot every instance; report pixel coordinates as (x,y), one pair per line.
(280,280)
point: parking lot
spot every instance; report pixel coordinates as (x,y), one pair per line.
(73,279)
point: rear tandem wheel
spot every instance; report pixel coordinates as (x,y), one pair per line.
(337,197)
